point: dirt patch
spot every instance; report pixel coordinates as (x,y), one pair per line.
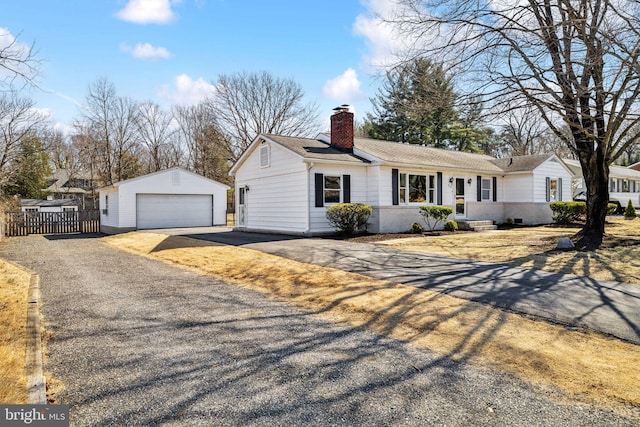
(586,365)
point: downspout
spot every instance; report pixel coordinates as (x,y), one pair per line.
(308,230)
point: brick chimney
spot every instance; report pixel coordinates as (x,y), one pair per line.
(342,129)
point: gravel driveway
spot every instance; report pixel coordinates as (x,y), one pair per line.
(138,342)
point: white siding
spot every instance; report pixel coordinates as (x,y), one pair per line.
(111,217)
(519,188)
(553,170)
(359,192)
(277,196)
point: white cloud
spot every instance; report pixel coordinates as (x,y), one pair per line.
(384,45)
(186,91)
(344,88)
(146,51)
(147,12)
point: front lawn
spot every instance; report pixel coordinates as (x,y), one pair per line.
(534,247)
(14,286)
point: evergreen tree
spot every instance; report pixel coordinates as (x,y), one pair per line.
(30,170)
(416,104)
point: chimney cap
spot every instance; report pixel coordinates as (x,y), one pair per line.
(343,107)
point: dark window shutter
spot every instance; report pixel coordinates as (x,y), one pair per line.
(346,188)
(548,184)
(559,189)
(479,187)
(439,196)
(495,189)
(395,182)
(319,190)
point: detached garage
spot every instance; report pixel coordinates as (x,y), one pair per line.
(166,199)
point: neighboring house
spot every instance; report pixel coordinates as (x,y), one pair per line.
(284,184)
(34,205)
(68,184)
(166,199)
(624,184)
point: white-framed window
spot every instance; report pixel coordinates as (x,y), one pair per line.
(416,188)
(31,209)
(332,189)
(265,156)
(553,190)
(67,209)
(486,189)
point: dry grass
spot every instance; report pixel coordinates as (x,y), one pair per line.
(14,286)
(534,247)
(586,365)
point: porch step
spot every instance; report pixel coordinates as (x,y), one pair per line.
(480,225)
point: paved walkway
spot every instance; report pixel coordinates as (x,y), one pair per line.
(138,342)
(612,308)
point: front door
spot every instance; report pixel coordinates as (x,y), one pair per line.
(459,198)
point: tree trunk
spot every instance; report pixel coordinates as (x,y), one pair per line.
(595,170)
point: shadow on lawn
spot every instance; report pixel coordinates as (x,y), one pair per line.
(226,238)
(608,307)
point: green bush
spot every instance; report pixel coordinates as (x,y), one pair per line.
(630,211)
(567,212)
(435,214)
(451,225)
(416,228)
(612,208)
(348,218)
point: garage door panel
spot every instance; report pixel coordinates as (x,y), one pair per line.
(174,210)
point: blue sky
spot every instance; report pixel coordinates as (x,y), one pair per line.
(170,51)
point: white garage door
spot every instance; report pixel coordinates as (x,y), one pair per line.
(174,210)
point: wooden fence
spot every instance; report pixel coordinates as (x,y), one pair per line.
(25,223)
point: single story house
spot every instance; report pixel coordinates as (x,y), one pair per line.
(284,184)
(165,199)
(624,184)
(49,205)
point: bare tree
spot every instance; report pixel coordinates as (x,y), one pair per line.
(18,120)
(525,134)
(208,147)
(17,61)
(247,105)
(110,121)
(157,129)
(126,147)
(61,152)
(576,62)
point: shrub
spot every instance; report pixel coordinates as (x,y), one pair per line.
(435,214)
(567,212)
(451,225)
(630,211)
(416,228)
(612,208)
(348,218)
